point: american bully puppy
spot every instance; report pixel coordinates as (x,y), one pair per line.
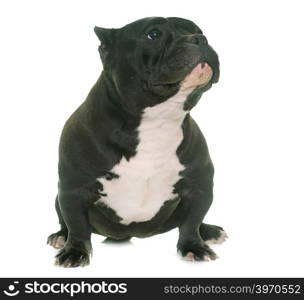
(132,161)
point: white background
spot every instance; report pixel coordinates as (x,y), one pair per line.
(252,119)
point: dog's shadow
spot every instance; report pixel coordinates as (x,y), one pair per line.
(113,242)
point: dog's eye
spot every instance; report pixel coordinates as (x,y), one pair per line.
(154,34)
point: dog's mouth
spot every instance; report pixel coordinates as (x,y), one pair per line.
(201,74)
(198,77)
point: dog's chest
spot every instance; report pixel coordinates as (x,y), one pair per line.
(147,180)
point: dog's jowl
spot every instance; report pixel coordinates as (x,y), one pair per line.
(132,161)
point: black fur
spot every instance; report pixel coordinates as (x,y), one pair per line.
(138,73)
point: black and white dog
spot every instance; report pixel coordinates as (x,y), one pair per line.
(132,161)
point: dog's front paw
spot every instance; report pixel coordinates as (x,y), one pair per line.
(74,254)
(71,258)
(196,251)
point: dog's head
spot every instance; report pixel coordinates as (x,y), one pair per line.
(152,59)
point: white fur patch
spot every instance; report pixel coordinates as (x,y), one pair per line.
(191,257)
(146,181)
(222,238)
(199,76)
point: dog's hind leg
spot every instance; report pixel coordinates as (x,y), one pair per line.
(212,234)
(58,239)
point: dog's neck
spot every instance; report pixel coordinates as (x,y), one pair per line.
(171,109)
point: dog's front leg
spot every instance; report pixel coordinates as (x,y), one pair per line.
(74,207)
(190,243)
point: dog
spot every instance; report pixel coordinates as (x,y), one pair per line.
(132,161)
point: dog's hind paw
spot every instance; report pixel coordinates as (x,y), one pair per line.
(212,234)
(219,240)
(57,240)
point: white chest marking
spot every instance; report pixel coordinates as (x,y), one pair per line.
(146,181)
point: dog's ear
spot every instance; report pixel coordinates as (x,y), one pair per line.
(105,36)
